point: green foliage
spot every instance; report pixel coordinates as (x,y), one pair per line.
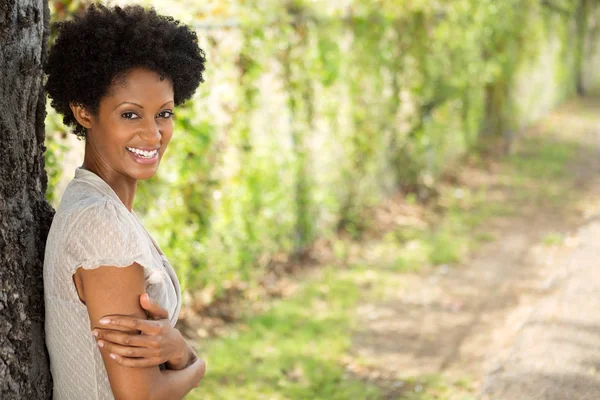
(56,149)
(314,110)
(294,350)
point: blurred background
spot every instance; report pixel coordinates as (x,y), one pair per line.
(343,151)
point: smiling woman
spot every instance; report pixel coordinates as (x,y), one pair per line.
(131,129)
(116,75)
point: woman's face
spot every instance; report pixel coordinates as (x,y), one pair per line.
(134,117)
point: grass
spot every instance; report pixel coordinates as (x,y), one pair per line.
(535,176)
(538,172)
(295,350)
(553,238)
(436,387)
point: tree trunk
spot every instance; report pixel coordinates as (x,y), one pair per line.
(25,216)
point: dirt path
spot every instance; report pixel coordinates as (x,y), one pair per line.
(555,354)
(457,323)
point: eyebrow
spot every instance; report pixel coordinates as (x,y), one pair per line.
(139,105)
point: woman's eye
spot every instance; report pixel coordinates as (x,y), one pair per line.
(129,115)
(166,114)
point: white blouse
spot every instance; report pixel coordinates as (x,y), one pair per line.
(92,228)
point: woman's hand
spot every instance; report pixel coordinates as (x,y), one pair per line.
(157,343)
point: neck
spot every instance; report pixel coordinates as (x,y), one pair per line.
(123,186)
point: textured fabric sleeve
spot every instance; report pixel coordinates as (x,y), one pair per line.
(102,234)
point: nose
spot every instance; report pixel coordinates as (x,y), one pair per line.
(151,133)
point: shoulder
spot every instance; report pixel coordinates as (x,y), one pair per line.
(91,229)
(97,215)
(99,232)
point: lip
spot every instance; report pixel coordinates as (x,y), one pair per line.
(142,160)
(145,148)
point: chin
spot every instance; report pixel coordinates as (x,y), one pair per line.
(144,173)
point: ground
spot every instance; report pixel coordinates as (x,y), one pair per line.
(447,328)
(555,354)
(432,301)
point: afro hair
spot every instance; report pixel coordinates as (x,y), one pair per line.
(95,49)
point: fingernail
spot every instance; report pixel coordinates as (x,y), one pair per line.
(100,344)
(104,320)
(113,356)
(95,333)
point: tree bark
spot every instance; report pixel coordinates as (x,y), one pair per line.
(25,215)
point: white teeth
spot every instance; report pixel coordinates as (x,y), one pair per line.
(147,154)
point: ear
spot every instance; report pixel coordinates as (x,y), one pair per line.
(81,115)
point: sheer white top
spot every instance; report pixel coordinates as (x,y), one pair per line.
(92,228)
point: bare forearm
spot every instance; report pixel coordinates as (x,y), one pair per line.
(175,384)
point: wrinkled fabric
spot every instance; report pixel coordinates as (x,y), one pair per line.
(93,228)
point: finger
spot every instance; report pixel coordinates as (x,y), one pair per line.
(124,321)
(203,368)
(155,311)
(126,339)
(129,352)
(135,362)
(115,328)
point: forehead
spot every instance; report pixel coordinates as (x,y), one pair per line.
(141,85)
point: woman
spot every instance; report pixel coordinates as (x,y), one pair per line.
(116,74)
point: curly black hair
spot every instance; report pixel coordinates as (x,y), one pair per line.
(95,49)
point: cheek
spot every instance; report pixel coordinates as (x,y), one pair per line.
(117,133)
(166,132)
(110,136)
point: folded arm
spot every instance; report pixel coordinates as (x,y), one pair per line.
(116,290)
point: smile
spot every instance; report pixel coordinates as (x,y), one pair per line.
(143,153)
